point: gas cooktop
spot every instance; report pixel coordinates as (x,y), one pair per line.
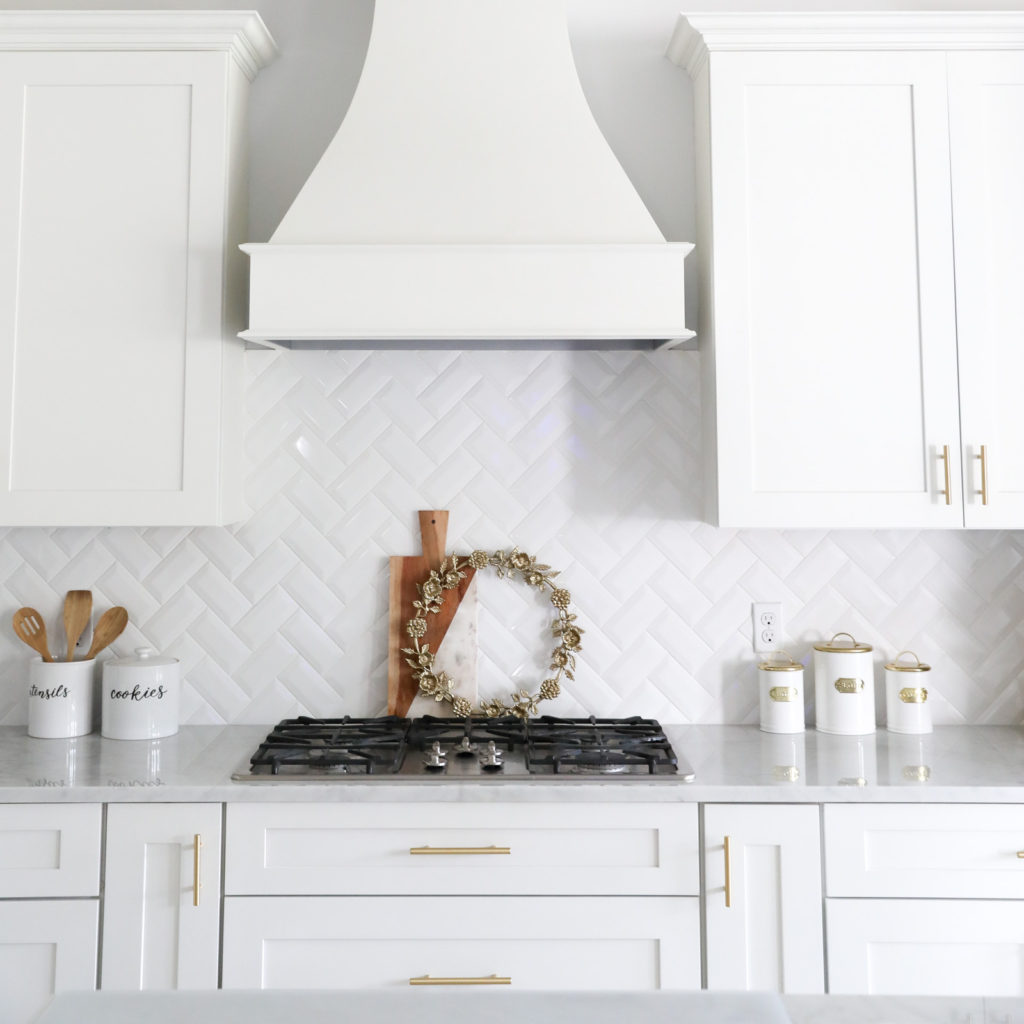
(313,749)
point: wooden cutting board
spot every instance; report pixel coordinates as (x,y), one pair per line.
(406,572)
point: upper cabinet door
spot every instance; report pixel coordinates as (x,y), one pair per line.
(828,310)
(122,202)
(986,108)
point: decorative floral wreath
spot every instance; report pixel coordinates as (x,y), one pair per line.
(515,564)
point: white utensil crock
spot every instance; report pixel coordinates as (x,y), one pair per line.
(141,696)
(844,687)
(780,687)
(906,697)
(60,698)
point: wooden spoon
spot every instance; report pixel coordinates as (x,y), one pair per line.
(77,612)
(108,629)
(29,626)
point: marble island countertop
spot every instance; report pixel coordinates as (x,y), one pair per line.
(957,764)
(445,1007)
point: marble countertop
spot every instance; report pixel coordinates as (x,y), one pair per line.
(736,763)
(441,1007)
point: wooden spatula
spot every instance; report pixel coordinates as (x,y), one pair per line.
(108,629)
(29,626)
(77,612)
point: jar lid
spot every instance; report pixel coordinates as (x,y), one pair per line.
(145,657)
(784,666)
(920,666)
(842,648)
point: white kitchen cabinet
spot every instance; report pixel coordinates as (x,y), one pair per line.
(986,110)
(840,165)
(475,849)
(552,895)
(122,201)
(161,911)
(926,947)
(566,942)
(46,946)
(763,898)
(49,906)
(925,899)
(933,850)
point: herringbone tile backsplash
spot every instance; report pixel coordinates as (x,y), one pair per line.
(588,460)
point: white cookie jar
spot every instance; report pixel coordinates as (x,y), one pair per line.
(141,696)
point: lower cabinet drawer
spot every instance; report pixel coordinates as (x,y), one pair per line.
(933,850)
(424,849)
(50,850)
(537,943)
(925,947)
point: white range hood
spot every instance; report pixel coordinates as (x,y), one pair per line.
(468,196)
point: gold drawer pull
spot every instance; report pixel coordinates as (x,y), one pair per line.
(197,868)
(1020,854)
(454,850)
(490,979)
(728,873)
(984,476)
(945,463)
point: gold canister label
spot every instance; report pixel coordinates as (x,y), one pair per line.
(783,693)
(786,773)
(913,695)
(848,685)
(917,772)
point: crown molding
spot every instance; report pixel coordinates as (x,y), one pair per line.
(242,34)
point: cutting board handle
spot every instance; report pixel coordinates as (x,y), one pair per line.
(433,535)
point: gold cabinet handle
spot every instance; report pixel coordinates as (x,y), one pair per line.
(984,475)
(197,865)
(457,850)
(490,979)
(1020,854)
(945,462)
(728,874)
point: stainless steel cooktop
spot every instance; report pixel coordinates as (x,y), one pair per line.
(310,749)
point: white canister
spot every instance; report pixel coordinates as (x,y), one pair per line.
(844,687)
(906,696)
(780,687)
(60,698)
(141,696)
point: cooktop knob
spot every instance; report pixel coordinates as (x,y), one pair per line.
(435,757)
(492,760)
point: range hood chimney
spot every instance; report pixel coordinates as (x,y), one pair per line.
(468,197)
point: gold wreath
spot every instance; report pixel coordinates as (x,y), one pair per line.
(516,563)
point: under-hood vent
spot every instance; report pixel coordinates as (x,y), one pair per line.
(469,196)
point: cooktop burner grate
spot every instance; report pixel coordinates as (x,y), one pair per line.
(602,745)
(359,746)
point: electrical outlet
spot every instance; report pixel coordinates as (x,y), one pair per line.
(767,622)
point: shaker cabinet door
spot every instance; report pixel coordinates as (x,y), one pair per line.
(161,917)
(121,287)
(831,369)
(986,111)
(763,898)
(46,946)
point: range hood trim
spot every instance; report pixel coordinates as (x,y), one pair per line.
(376,292)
